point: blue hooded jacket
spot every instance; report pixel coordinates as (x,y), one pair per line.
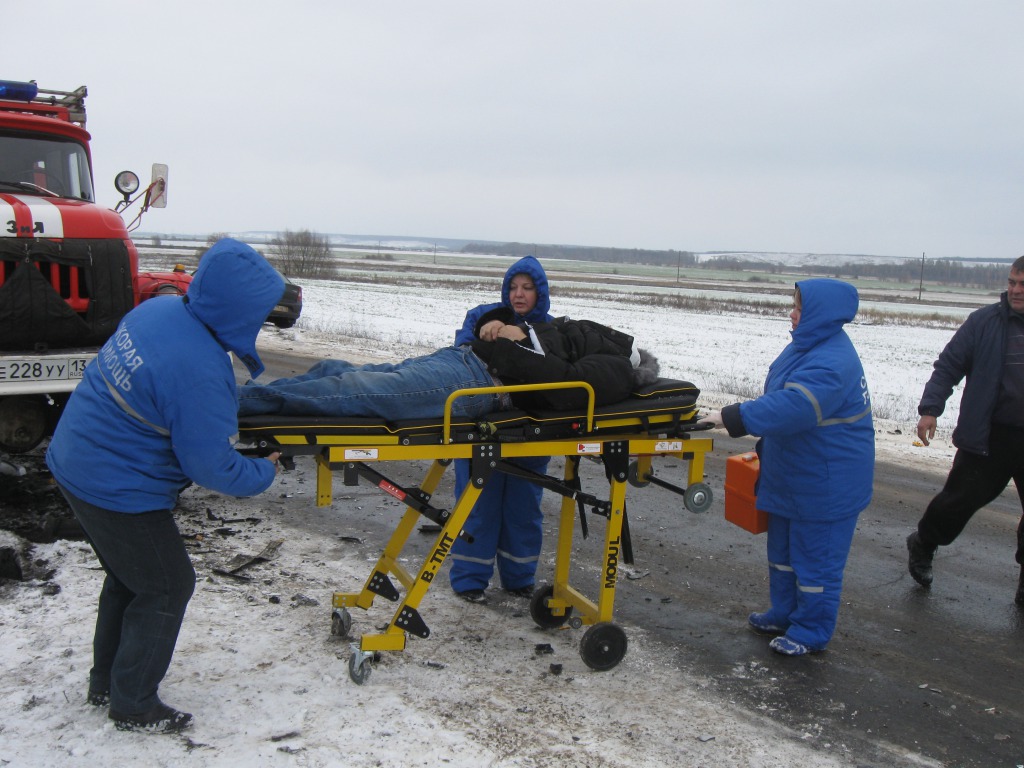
(157,407)
(817,447)
(527,265)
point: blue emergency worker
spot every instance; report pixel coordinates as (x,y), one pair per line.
(816,453)
(156,411)
(506,523)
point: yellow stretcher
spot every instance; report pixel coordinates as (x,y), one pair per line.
(659,420)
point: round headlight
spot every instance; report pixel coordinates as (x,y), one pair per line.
(127,183)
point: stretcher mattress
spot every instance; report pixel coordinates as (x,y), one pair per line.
(662,407)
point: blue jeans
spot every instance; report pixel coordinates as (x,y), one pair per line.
(149,582)
(416,388)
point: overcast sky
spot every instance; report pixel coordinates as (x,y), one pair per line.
(878,127)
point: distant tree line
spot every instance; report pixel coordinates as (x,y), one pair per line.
(957,272)
(586,253)
(943,271)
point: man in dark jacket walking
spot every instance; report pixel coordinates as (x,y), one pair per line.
(989,350)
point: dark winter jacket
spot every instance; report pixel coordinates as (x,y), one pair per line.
(527,265)
(817,446)
(975,351)
(562,350)
(157,407)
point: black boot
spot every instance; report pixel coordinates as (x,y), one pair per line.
(920,561)
(1019,599)
(160,719)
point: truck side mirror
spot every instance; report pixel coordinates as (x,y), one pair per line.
(158,187)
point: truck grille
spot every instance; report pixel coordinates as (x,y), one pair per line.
(61,294)
(66,280)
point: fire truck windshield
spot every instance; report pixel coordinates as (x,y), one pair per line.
(37,166)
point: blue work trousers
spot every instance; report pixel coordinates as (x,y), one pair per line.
(806,560)
(149,581)
(506,524)
(416,388)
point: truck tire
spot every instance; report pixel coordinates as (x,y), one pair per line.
(23,423)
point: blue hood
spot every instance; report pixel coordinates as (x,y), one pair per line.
(826,306)
(232,293)
(528,265)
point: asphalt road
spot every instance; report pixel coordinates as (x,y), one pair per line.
(939,672)
(936,672)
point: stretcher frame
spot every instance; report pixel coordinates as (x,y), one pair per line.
(658,421)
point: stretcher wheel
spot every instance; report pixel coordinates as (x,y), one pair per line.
(603,646)
(359,666)
(698,497)
(634,476)
(540,612)
(341,622)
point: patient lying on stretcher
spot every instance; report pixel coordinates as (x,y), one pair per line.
(502,353)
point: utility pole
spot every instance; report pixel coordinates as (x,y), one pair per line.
(920,285)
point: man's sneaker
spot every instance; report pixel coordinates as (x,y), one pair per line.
(473,596)
(919,562)
(98,698)
(788,647)
(160,719)
(762,625)
(524,592)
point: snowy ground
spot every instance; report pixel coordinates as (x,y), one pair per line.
(269,685)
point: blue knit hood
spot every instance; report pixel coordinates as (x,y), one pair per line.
(825,307)
(232,293)
(528,265)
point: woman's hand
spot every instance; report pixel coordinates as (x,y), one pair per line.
(496,329)
(489,331)
(714,418)
(512,332)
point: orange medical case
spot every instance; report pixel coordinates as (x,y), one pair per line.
(741,472)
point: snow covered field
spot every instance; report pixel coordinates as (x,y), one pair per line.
(268,684)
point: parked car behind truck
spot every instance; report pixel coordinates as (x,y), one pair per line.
(289,308)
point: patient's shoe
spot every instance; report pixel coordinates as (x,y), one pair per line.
(473,596)
(160,719)
(763,624)
(789,647)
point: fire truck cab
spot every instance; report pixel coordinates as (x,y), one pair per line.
(68,267)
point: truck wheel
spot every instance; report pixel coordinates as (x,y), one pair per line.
(23,422)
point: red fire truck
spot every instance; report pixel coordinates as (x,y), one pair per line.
(68,267)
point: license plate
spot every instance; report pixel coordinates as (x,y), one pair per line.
(46,369)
